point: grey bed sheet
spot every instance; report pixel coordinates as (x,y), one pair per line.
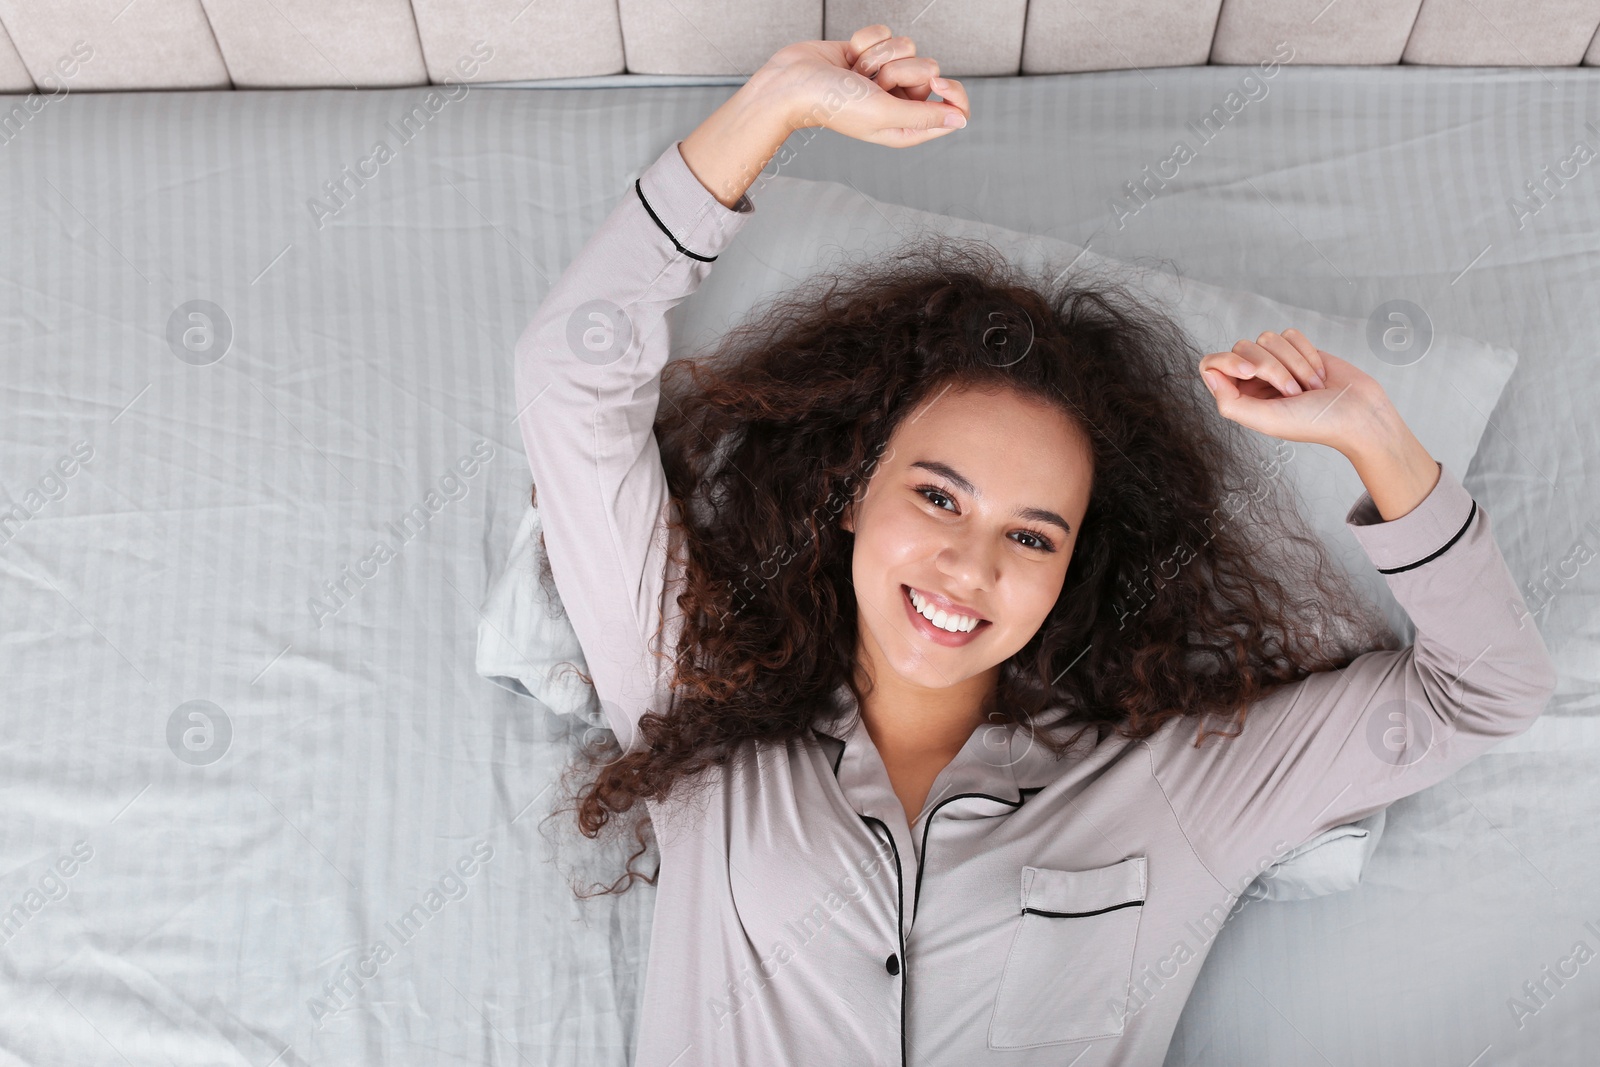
(256,806)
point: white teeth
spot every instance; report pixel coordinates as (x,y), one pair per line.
(956,624)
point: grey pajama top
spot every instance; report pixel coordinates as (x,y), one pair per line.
(1035,911)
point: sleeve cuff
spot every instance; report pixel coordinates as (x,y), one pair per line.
(699,224)
(1421,533)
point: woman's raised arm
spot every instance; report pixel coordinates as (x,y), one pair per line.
(588,365)
(587,377)
(1339,745)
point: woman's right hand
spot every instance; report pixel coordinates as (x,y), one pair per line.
(873,87)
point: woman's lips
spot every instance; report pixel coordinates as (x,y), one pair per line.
(933,633)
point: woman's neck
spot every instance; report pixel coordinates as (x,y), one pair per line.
(912,723)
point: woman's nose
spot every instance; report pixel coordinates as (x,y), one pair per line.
(970,561)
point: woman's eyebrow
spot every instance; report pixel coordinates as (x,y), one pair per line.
(944,470)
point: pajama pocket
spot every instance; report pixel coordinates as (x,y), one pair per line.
(1066,976)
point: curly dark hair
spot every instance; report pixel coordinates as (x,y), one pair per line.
(1194,587)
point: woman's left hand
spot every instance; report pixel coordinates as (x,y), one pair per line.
(1285,386)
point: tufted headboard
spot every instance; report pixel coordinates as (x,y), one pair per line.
(52,45)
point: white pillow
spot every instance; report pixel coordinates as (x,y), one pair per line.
(1328,863)
(800,226)
(525,642)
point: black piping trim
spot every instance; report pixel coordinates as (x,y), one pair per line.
(1437,552)
(836,740)
(1083,914)
(899,928)
(922,864)
(675,242)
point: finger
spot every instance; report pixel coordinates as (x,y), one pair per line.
(864,38)
(1312,353)
(1236,404)
(1225,365)
(1253,413)
(1245,402)
(873,59)
(1295,357)
(907,136)
(1229,377)
(1230,370)
(1222,387)
(953,93)
(1291,357)
(914,74)
(1266,366)
(907,122)
(1229,363)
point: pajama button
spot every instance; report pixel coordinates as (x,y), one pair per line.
(892,964)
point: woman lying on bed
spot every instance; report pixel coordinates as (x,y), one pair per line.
(911,604)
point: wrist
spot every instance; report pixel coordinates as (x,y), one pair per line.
(1380,433)
(773,94)
(733,145)
(1397,471)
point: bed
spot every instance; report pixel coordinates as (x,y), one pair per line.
(260,807)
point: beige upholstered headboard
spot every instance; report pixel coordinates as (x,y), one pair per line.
(51,45)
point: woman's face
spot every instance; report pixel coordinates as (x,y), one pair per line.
(963,507)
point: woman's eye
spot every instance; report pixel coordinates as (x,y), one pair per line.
(1037,541)
(1040,541)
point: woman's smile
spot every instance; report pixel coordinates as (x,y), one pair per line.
(937,634)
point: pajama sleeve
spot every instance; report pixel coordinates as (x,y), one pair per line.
(587,373)
(1339,745)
